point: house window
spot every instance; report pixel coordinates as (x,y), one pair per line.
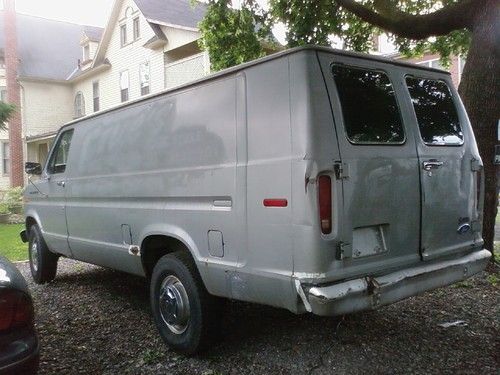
(145,78)
(137,30)
(432,64)
(123,34)
(2,61)
(95,90)
(5,158)
(79,105)
(3,94)
(86,53)
(124,85)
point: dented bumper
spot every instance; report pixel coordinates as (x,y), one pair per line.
(371,292)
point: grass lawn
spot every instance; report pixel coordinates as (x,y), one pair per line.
(11,245)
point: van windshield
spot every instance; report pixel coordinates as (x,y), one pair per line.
(436,112)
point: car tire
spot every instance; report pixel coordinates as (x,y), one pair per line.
(185,314)
(43,263)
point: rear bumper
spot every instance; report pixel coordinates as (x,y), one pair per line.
(371,292)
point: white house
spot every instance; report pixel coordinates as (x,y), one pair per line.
(68,71)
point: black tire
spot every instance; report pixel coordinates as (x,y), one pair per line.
(44,266)
(204,309)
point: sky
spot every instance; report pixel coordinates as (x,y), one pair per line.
(87,12)
(91,12)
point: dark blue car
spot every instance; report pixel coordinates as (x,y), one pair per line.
(19,346)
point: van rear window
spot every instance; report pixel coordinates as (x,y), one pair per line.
(436,113)
(369,106)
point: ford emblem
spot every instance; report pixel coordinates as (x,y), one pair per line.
(464,228)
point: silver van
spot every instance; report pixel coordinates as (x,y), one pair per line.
(313,180)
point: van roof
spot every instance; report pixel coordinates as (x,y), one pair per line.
(243,66)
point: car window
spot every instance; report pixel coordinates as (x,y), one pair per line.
(59,157)
(369,107)
(436,112)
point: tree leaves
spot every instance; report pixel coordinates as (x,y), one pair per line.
(232,36)
(316,21)
(6,110)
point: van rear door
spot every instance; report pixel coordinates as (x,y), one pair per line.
(445,147)
(380,223)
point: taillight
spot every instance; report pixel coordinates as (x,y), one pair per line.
(325,203)
(16,309)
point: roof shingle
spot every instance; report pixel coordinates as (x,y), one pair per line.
(94,33)
(47,49)
(173,12)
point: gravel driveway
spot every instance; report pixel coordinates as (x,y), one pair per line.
(94,320)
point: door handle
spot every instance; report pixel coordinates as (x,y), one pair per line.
(61,183)
(432,164)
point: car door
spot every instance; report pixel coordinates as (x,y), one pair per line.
(379,225)
(449,166)
(51,205)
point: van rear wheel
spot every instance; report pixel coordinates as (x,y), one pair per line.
(43,263)
(184,312)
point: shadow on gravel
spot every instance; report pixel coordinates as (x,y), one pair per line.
(95,320)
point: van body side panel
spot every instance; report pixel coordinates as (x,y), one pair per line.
(266,266)
(222,277)
(170,160)
(314,150)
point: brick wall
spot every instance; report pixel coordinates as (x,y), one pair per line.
(454,68)
(13,95)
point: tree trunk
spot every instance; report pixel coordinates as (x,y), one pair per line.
(480,91)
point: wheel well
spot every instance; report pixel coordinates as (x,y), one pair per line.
(30,222)
(156,246)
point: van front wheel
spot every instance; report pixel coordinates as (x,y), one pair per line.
(43,263)
(184,313)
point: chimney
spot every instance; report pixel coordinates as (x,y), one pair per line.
(13,94)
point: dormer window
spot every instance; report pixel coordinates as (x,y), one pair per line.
(130,27)
(123,34)
(86,52)
(137,29)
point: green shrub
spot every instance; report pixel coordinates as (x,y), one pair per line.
(13,198)
(14,195)
(4,209)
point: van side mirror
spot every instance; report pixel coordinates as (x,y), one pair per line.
(33,168)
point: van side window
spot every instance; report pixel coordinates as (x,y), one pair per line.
(59,156)
(436,113)
(369,106)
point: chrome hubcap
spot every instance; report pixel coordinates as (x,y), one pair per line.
(34,256)
(174,304)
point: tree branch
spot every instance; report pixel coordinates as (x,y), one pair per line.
(441,22)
